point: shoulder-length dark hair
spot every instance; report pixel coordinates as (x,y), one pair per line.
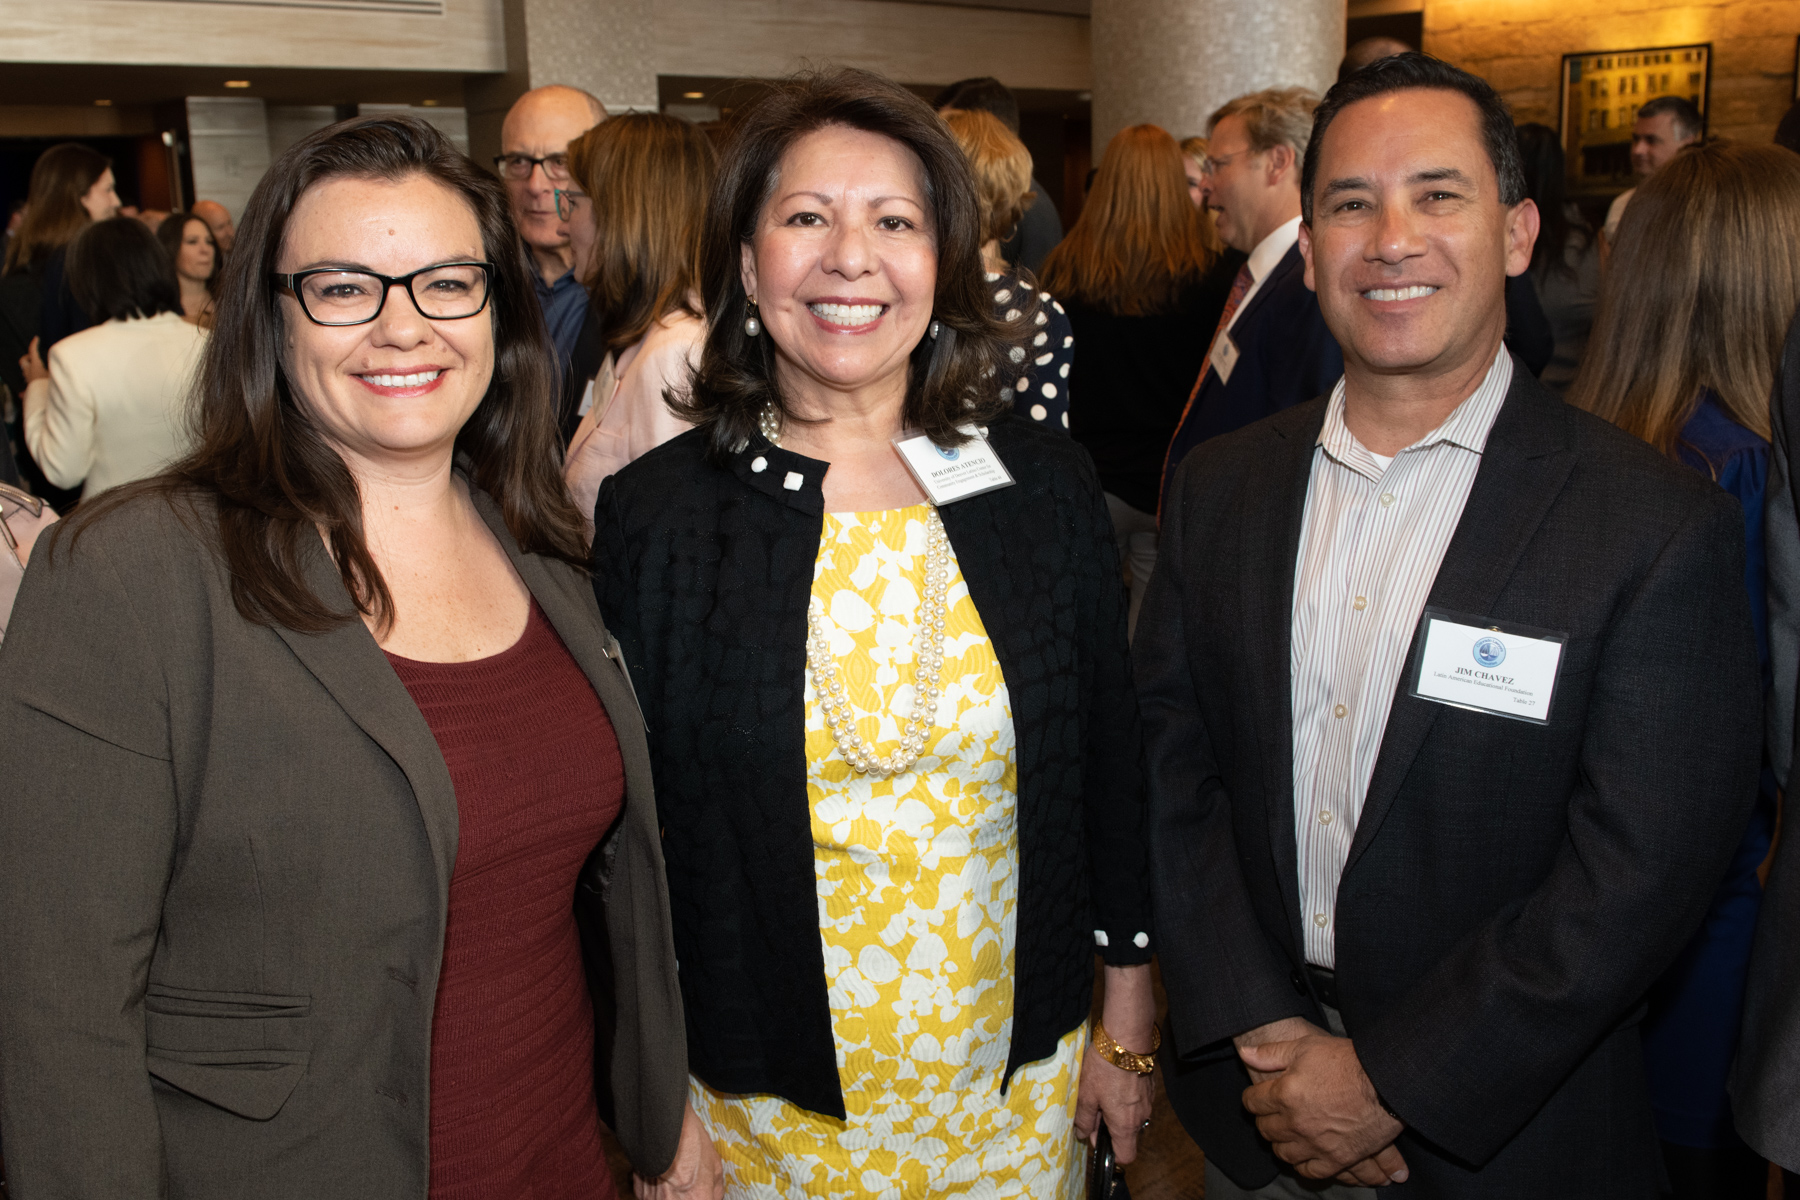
(953,378)
(118,271)
(173,232)
(261,458)
(54,213)
(1139,240)
(647,176)
(1541,154)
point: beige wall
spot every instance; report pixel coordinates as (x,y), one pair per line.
(914,43)
(466,38)
(1518,46)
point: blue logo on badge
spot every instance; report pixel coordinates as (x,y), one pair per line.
(1490,652)
(949,455)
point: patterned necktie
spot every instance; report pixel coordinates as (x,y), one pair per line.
(1239,286)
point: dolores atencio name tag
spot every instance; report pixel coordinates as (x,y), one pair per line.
(1471,662)
(950,473)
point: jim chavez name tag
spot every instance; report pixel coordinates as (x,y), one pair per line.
(1471,662)
(949,473)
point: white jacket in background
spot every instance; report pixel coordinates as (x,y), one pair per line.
(115,407)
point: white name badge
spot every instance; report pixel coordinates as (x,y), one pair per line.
(1224,356)
(955,472)
(1470,662)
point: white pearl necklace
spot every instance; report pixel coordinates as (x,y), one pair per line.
(928,653)
(928,650)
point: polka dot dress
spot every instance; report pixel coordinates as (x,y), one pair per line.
(1038,386)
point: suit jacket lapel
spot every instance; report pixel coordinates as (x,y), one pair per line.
(1289,262)
(1273,506)
(1523,468)
(349,664)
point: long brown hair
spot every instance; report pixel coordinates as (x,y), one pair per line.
(261,459)
(647,176)
(951,380)
(1139,240)
(1698,294)
(54,213)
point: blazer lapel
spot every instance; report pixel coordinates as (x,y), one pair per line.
(1523,468)
(1273,506)
(349,664)
(1287,263)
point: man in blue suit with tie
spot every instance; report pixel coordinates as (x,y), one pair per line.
(1271,349)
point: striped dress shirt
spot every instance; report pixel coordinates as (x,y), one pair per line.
(1372,538)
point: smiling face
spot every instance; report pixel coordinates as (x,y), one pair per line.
(844,263)
(399,388)
(1410,246)
(195,258)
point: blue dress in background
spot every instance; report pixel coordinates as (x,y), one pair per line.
(1691,1032)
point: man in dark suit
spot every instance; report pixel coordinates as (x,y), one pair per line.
(1271,349)
(1450,696)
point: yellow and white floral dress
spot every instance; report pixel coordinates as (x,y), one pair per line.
(918,890)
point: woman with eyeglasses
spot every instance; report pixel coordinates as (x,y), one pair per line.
(328,852)
(636,229)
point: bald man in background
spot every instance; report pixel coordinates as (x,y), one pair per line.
(534,141)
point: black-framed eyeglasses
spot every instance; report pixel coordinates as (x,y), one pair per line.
(334,296)
(566,201)
(520,166)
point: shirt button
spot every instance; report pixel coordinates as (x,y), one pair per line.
(1339,711)
(1321,920)
(1324,818)
(1387,498)
(1361,603)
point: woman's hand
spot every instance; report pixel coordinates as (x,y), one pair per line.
(1120,1097)
(32,365)
(696,1173)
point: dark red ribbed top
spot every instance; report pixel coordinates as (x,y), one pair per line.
(538,781)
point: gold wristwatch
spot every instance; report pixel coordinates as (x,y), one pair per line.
(1120,1057)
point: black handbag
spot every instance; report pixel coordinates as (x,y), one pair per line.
(1105,1181)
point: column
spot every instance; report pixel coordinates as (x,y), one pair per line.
(601,46)
(1174,62)
(228,141)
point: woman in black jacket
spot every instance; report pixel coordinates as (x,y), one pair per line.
(897,752)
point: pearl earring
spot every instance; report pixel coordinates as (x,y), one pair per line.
(752,326)
(934,330)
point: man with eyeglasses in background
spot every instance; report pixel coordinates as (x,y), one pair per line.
(1271,349)
(533,163)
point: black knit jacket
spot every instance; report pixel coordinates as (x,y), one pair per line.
(704,574)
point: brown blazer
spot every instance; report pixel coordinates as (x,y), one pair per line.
(225,856)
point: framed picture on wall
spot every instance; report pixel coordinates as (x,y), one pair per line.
(1601,92)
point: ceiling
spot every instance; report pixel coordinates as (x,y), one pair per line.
(80,83)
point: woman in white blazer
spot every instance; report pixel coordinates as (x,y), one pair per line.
(636,226)
(112,405)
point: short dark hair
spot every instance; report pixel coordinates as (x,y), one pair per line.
(263,460)
(985,94)
(117,270)
(952,377)
(1688,121)
(1416,71)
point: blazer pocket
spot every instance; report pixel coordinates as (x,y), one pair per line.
(251,1083)
(243,1051)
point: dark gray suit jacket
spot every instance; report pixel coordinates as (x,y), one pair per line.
(1512,889)
(1765,1083)
(225,857)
